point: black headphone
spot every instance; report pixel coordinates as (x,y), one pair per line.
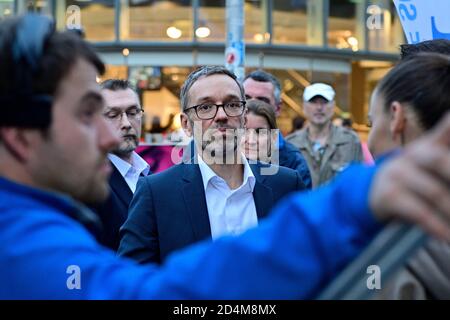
(21,107)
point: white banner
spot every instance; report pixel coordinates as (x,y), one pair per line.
(424,19)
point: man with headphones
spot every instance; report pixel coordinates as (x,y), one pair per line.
(53,146)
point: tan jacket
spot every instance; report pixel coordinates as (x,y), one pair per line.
(343,147)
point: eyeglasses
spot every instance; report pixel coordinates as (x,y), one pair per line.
(208,111)
(132,114)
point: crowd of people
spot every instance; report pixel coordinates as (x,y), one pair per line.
(231,221)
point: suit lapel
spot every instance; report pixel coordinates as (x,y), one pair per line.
(195,199)
(120,186)
(262,194)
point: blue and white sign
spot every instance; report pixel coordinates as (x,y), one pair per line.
(424,19)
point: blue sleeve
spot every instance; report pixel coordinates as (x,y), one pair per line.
(292,254)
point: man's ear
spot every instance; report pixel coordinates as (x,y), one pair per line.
(19,142)
(186,124)
(398,119)
(278,109)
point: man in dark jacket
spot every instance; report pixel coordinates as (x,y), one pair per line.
(220,193)
(124,113)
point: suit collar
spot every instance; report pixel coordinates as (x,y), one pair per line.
(120,186)
(195,200)
(208,174)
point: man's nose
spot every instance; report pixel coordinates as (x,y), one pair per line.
(221,115)
(124,121)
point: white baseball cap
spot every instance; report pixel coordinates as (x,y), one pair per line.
(318,89)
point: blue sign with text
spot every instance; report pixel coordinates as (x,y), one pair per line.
(424,19)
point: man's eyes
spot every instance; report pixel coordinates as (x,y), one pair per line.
(132,112)
(205,107)
(117,113)
(112,114)
(233,105)
(264,100)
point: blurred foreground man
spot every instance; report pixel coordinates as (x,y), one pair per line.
(54,142)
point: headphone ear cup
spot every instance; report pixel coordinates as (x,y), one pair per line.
(30,39)
(28,47)
(24,107)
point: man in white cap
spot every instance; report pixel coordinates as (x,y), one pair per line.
(328,149)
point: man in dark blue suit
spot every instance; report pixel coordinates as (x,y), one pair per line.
(219,192)
(123,111)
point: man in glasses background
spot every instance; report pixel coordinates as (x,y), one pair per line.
(124,113)
(218,192)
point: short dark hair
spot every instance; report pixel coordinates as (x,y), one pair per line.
(60,53)
(204,72)
(263,109)
(263,76)
(423,82)
(436,45)
(116,85)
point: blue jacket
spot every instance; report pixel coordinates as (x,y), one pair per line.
(165,216)
(291,157)
(292,254)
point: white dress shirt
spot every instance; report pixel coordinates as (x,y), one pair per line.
(230,212)
(130,172)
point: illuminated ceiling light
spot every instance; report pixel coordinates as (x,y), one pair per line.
(173,32)
(258,37)
(353,42)
(202,32)
(126,52)
(7,12)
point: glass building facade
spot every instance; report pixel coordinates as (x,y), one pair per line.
(349,44)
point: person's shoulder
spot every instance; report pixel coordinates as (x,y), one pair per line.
(167,173)
(293,135)
(347,134)
(42,222)
(290,148)
(169,178)
(275,171)
(297,138)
